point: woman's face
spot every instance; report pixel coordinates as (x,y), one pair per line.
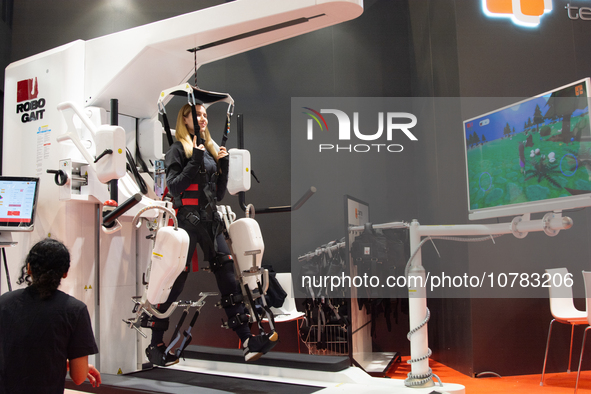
(201,119)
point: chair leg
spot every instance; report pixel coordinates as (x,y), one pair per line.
(581,359)
(298,331)
(547,347)
(570,354)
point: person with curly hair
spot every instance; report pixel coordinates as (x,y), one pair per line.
(44,332)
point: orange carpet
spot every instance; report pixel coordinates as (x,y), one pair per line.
(527,384)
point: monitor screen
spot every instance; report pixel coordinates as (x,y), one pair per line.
(531,156)
(18,199)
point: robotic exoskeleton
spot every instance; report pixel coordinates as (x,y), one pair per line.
(196,208)
(168,261)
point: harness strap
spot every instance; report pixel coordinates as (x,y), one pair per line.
(188,337)
(251,302)
(160,325)
(231,300)
(239,320)
(266,308)
(219,261)
(189,200)
(209,192)
(176,336)
(226,130)
(167,127)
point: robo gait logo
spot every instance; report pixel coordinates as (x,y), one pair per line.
(521,12)
(394,123)
(28,104)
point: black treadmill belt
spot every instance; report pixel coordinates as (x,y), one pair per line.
(122,384)
(223,383)
(173,381)
(271,359)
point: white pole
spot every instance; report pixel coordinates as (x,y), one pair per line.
(417,298)
(551,224)
(420,375)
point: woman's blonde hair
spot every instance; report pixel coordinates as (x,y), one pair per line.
(183,135)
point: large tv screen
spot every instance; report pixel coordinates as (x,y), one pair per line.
(531,156)
(18,200)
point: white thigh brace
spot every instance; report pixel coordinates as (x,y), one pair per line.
(169,258)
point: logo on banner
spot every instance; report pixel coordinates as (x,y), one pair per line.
(358,214)
(521,12)
(28,103)
(389,125)
(574,13)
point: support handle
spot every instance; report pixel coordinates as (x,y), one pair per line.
(286,208)
(121,209)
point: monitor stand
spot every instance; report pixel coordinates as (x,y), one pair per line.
(5,242)
(6,239)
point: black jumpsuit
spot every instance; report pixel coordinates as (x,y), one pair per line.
(181,174)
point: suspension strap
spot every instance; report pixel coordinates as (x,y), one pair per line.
(209,192)
(162,112)
(226,130)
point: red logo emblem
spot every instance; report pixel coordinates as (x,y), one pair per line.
(26,90)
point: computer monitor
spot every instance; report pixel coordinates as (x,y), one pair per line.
(531,156)
(18,201)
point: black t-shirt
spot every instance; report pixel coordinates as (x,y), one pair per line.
(37,337)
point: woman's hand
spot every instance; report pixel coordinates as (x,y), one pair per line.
(222,152)
(201,147)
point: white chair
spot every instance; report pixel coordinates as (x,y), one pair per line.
(587,280)
(288,311)
(563,310)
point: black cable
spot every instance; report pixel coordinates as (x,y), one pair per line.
(167,128)
(139,154)
(195,76)
(138,178)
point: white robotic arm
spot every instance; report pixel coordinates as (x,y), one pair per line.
(110,143)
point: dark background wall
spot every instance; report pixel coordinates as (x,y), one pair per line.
(460,52)
(421,48)
(6,7)
(498,59)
